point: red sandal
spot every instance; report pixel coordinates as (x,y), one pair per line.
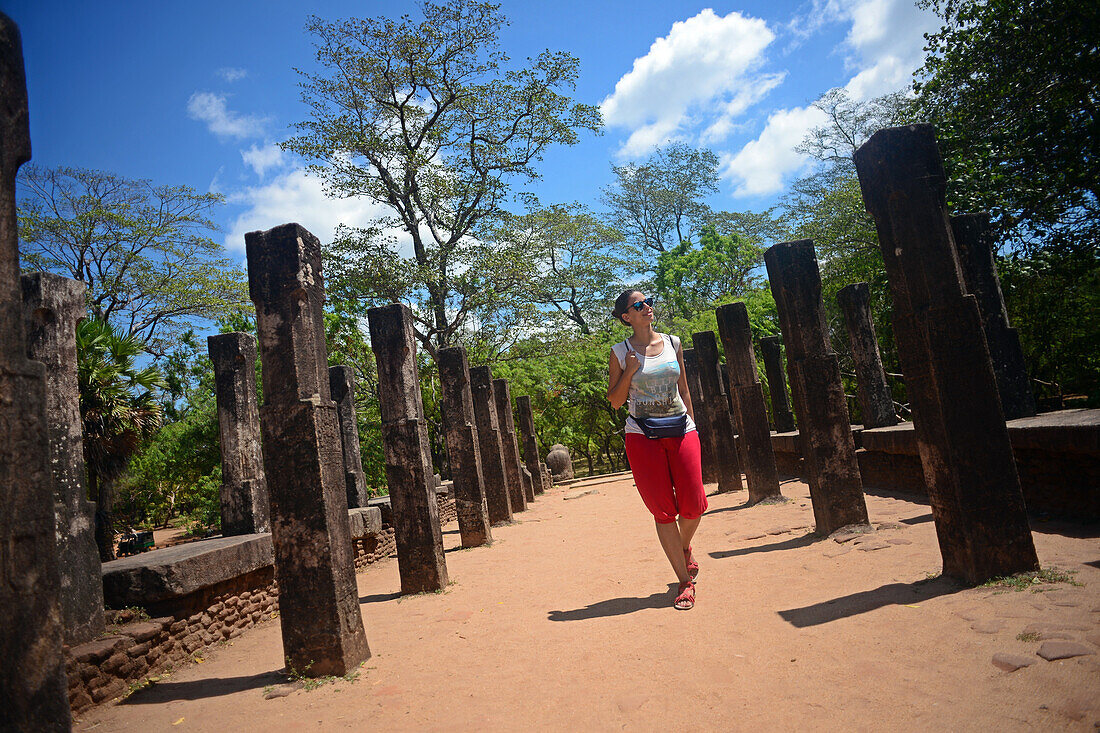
(685,600)
(692,566)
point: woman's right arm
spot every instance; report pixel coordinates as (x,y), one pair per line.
(619,379)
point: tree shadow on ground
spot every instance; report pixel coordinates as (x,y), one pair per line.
(892,594)
(616,606)
(789,544)
(163,692)
(922,519)
(380,597)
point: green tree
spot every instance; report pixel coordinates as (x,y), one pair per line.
(142,251)
(118,412)
(692,279)
(430,120)
(578,263)
(1012,88)
(658,203)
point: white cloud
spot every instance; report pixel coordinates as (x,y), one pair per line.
(211,108)
(232,74)
(887,44)
(883,47)
(705,60)
(262,159)
(296,196)
(760,167)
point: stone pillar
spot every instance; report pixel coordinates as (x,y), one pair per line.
(531,444)
(874,393)
(974,244)
(33,686)
(824,429)
(719,420)
(513,471)
(342,386)
(52,306)
(702,417)
(748,398)
(318,599)
(245,506)
(969,470)
(463,451)
(489,442)
(560,463)
(409,474)
(772,353)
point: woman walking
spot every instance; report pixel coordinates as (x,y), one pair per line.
(662,445)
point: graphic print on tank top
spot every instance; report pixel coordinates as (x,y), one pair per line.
(654,390)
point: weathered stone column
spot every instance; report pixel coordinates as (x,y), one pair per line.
(829,452)
(52,306)
(489,442)
(531,445)
(342,385)
(513,470)
(968,464)
(419,536)
(318,599)
(463,450)
(33,686)
(748,398)
(245,505)
(771,351)
(702,417)
(874,393)
(974,243)
(720,422)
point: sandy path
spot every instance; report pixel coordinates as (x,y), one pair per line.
(566,622)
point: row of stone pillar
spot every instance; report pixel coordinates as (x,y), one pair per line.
(962,362)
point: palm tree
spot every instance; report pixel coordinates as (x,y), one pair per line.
(118,412)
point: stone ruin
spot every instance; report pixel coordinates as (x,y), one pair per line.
(560,463)
(33,685)
(875,399)
(342,387)
(716,410)
(959,449)
(303,459)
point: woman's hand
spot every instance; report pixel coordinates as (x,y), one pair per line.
(633,364)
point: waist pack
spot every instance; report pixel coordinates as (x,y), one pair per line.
(674,426)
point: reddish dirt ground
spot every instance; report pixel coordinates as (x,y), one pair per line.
(566,623)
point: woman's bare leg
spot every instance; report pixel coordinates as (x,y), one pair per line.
(687,531)
(673,545)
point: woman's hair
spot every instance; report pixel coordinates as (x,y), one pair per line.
(622,303)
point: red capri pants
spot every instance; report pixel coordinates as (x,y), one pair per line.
(669,476)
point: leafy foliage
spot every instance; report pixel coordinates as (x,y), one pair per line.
(693,279)
(141,250)
(660,202)
(428,120)
(1012,87)
(118,412)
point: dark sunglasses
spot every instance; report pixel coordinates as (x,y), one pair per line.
(642,304)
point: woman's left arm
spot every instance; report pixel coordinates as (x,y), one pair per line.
(682,385)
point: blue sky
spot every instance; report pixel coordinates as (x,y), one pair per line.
(199,93)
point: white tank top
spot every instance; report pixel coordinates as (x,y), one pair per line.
(654,389)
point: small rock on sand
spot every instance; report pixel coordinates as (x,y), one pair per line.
(871,545)
(1011,662)
(1058,649)
(899,541)
(583,493)
(837,551)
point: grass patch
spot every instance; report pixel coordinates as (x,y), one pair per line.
(1028,636)
(312,683)
(1032,580)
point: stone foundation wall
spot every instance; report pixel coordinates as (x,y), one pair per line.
(135,647)
(447,510)
(374,548)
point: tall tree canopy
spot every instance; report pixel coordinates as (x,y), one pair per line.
(1013,87)
(658,203)
(578,263)
(142,250)
(431,120)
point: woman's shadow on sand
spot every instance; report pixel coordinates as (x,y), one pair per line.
(616,606)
